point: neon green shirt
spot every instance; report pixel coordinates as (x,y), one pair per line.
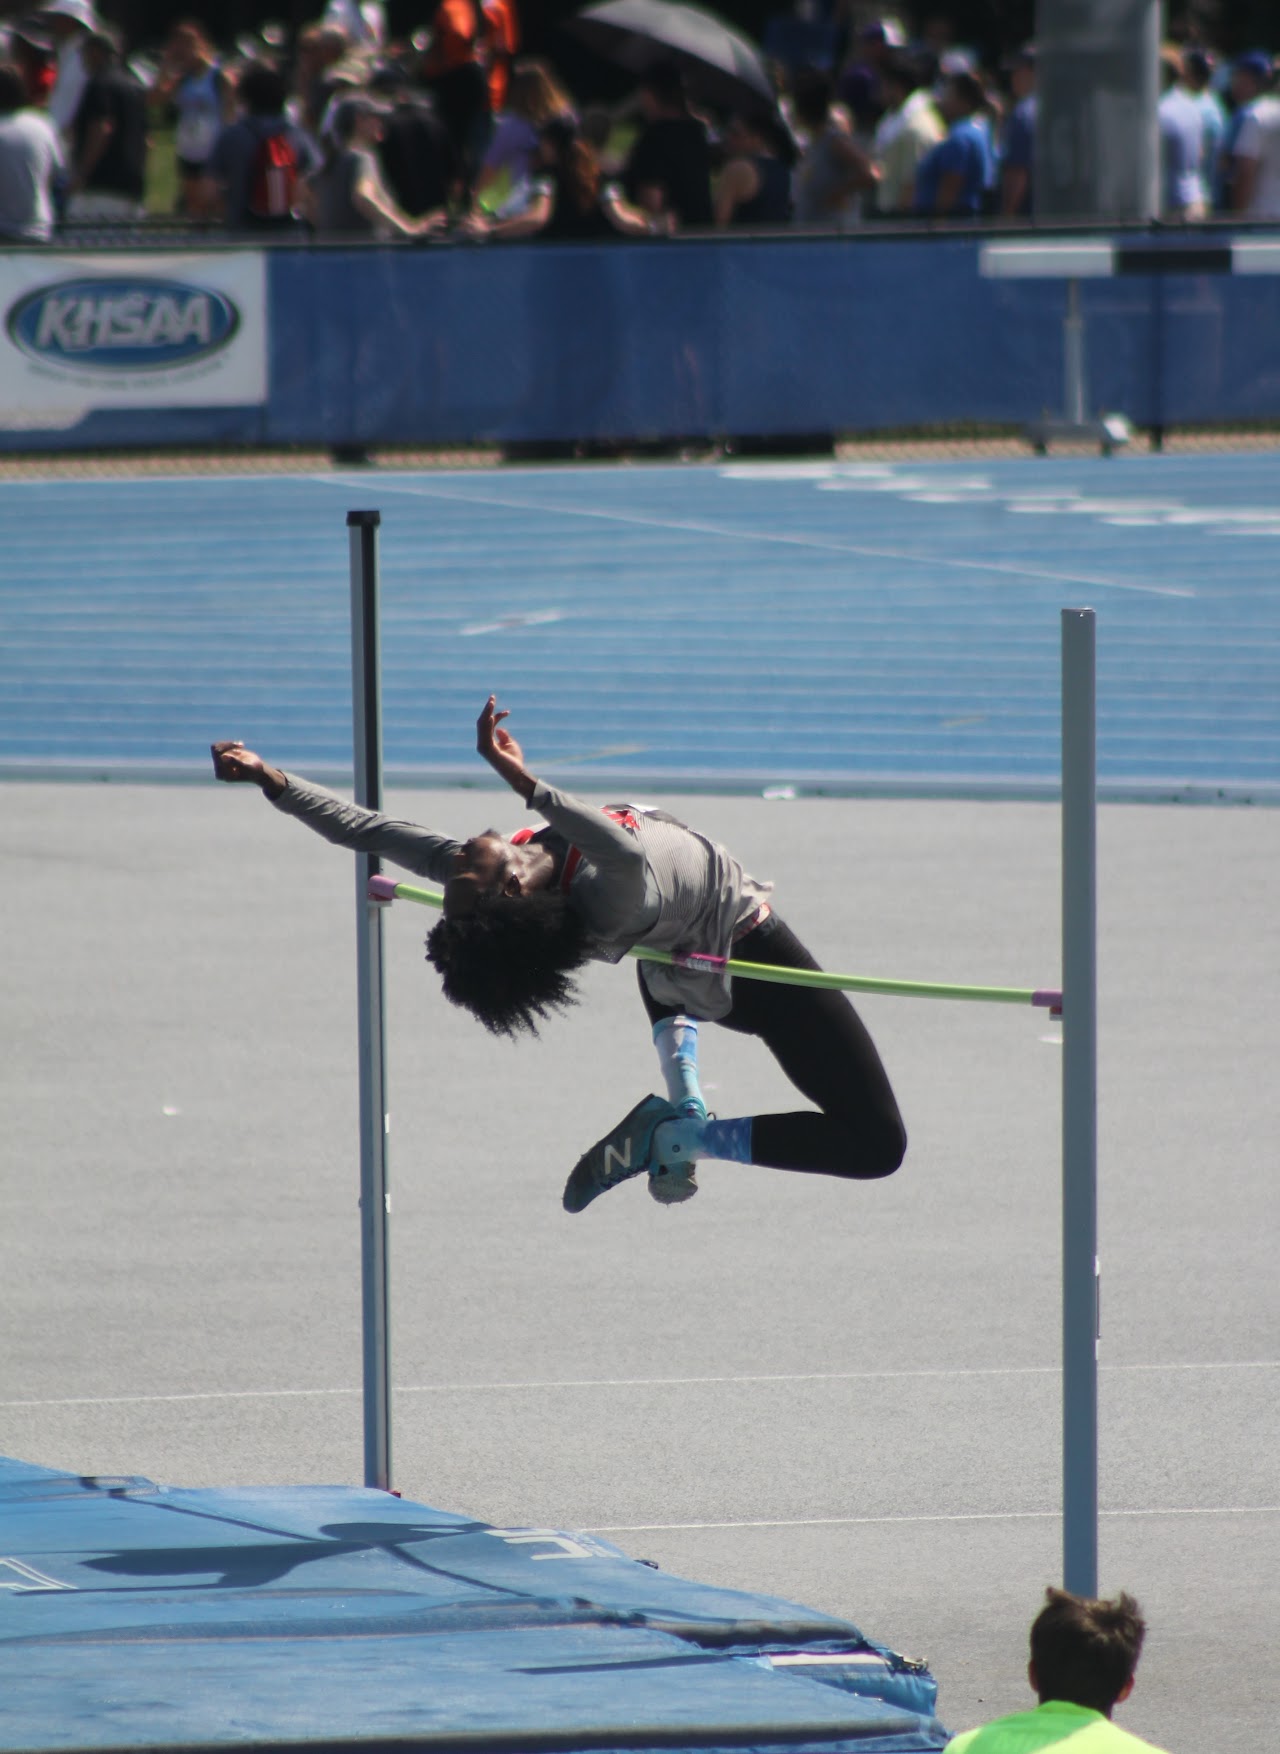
(1067,1729)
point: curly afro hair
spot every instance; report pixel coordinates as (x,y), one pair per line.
(510,960)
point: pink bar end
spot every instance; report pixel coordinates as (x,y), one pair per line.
(382,888)
(1049,999)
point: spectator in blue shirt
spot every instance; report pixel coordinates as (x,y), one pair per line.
(954,178)
(1017,144)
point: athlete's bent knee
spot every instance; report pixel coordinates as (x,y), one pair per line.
(888,1150)
(867,1153)
(899,1149)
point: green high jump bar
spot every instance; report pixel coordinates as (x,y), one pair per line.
(384,889)
(1076,1003)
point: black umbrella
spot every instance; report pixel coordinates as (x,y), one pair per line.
(720,66)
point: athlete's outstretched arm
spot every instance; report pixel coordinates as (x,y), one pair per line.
(615,853)
(336,819)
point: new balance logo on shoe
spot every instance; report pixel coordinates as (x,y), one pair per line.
(622,1153)
(612,1157)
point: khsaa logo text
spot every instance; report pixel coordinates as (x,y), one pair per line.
(124,325)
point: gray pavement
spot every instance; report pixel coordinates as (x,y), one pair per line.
(843,1394)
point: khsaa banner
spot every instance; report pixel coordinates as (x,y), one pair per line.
(88,332)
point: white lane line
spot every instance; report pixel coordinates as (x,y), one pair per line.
(155,1400)
(976,1516)
(622,1382)
(701,527)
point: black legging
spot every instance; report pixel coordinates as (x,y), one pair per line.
(824,1048)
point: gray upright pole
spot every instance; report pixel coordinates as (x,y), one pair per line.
(366,696)
(1080,1307)
(1097,87)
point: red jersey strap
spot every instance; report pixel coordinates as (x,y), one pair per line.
(573,858)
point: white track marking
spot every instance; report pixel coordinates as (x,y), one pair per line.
(509,623)
(702,527)
(626,1382)
(975,1516)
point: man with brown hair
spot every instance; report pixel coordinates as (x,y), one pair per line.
(1084,1657)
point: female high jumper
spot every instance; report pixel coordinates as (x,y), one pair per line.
(522,912)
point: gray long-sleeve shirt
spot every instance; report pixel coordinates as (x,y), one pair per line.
(652,881)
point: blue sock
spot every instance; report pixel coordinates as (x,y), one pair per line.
(684,1139)
(728,1140)
(676,1039)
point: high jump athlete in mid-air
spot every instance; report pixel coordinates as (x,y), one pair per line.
(522,912)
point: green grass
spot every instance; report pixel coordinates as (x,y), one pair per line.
(161,196)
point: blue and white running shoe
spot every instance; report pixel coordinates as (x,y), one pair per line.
(622,1153)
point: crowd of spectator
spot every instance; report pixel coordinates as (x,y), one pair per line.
(342,133)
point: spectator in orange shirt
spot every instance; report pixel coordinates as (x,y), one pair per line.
(501,40)
(453,71)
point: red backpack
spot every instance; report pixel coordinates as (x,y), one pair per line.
(273,178)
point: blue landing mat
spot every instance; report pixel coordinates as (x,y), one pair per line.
(141,1616)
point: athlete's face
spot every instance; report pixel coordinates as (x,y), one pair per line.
(489,865)
(481,866)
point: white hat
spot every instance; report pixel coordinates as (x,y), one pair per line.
(79,10)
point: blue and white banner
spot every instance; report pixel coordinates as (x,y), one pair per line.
(84,333)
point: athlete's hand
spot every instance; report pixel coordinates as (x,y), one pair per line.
(238,765)
(500,748)
(486,728)
(233,762)
(491,736)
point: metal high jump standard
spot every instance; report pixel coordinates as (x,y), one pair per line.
(1080,1282)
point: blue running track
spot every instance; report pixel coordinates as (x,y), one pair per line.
(840,627)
